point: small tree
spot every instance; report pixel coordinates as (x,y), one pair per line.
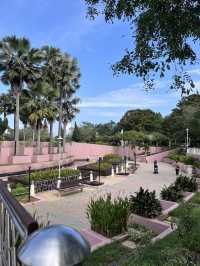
(76,134)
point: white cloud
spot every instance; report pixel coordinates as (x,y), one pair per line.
(132,97)
(195,71)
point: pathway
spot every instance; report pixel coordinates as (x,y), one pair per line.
(71,210)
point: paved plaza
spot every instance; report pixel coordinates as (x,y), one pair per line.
(71,210)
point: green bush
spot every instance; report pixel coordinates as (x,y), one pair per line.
(19,190)
(145,204)
(139,234)
(112,158)
(186,183)
(188,160)
(171,193)
(95,166)
(51,174)
(108,217)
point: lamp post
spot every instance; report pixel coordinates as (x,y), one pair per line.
(59,163)
(187,139)
(29,183)
(125,163)
(135,158)
(100,169)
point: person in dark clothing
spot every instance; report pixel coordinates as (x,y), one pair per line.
(177,168)
(155,167)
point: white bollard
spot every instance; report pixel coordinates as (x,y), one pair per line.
(122,168)
(112,171)
(91,176)
(58,183)
(117,169)
(80,176)
(32,189)
(9,187)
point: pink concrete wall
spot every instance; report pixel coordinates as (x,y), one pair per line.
(73,149)
(158,157)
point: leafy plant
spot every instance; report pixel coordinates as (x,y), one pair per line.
(171,193)
(19,190)
(51,174)
(139,234)
(145,203)
(112,158)
(186,183)
(108,217)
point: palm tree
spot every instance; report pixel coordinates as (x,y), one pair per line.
(19,65)
(69,74)
(69,111)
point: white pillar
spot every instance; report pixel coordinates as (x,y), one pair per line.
(113,171)
(122,168)
(117,169)
(80,176)
(9,187)
(32,189)
(58,183)
(91,176)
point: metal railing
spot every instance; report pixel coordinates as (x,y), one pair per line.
(16,224)
(21,243)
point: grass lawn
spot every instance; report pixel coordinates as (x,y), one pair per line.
(169,251)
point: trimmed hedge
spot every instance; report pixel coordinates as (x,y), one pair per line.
(105,168)
(112,158)
(51,174)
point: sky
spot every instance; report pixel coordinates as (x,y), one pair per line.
(97,46)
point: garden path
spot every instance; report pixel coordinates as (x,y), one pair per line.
(71,210)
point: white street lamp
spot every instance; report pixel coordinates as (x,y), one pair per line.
(60,139)
(187,139)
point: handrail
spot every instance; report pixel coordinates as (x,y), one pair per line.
(22,220)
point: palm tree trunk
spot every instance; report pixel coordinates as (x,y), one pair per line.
(50,136)
(64,135)
(60,120)
(38,139)
(17,124)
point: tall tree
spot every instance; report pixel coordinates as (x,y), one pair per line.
(19,65)
(164,33)
(76,134)
(141,120)
(69,74)
(69,111)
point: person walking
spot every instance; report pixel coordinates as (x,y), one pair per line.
(155,167)
(177,168)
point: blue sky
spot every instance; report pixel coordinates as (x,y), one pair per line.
(96,45)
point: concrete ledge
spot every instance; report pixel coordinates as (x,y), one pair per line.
(21,159)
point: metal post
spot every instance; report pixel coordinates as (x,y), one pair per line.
(187,139)
(125,163)
(99,170)
(135,158)
(29,183)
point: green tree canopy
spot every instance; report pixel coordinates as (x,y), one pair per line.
(141,120)
(185,115)
(163,32)
(76,134)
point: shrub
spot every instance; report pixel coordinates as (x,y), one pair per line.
(112,158)
(19,190)
(52,173)
(171,193)
(186,183)
(145,203)
(139,234)
(108,217)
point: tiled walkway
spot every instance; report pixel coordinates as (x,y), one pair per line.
(71,210)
